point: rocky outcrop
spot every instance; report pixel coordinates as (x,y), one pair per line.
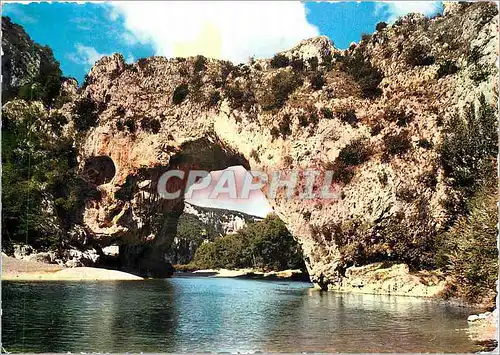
(66,258)
(373,114)
(483,330)
(27,66)
(396,280)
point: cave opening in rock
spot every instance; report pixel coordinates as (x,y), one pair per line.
(99,170)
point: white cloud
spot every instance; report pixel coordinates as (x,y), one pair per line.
(233,30)
(85,55)
(393,10)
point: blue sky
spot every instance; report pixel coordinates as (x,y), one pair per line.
(79,34)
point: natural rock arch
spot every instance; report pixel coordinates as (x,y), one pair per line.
(314,115)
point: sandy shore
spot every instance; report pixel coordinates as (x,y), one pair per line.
(251,273)
(22,270)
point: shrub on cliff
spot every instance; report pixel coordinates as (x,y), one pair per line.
(278,88)
(396,144)
(85,113)
(363,72)
(279,61)
(180,94)
(317,80)
(240,96)
(418,55)
(469,147)
(352,155)
(469,250)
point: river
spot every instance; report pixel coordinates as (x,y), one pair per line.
(221,315)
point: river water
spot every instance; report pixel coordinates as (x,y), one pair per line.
(221,315)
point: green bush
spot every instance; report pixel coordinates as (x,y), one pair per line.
(277,90)
(398,115)
(424,143)
(180,94)
(85,113)
(265,245)
(352,155)
(380,26)
(396,144)
(364,73)
(151,125)
(418,55)
(239,96)
(279,61)
(284,126)
(131,125)
(317,80)
(469,147)
(347,115)
(327,113)
(469,250)
(447,68)
(200,63)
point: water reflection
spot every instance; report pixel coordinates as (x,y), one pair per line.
(207,314)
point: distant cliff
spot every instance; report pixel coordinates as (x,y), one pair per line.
(198,224)
(29,70)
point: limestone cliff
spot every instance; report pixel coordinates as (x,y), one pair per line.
(27,65)
(198,224)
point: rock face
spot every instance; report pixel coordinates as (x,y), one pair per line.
(372,113)
(26,63)
(198,224)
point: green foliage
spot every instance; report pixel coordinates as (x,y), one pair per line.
(284,126)
(239,96)
(398,115)
(38,166)
(447,68)
(380,26)
(418,55)
(200,63)
(317,80)
(396,144)
(214,98)
(364,73)
(279,61)
(327,113)
(469,147)
(180,94)
(352,155)
(297,64)
(347,115)
(265,245)
(277,90)
(424,143)
(151,125)
(469,250)
(85,114)
(130,124)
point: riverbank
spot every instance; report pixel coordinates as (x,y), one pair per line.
(22,270)
(292,275)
